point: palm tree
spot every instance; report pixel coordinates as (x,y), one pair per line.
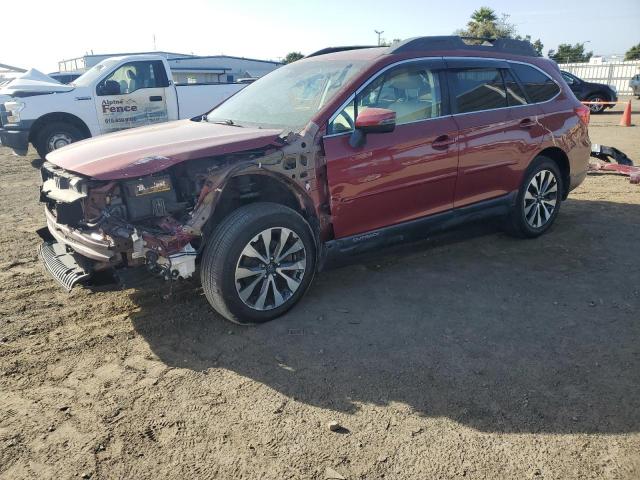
(483,15)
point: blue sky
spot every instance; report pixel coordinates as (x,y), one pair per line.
(270,29)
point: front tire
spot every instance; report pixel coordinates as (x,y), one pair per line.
(56,135)
(258,263)
(538,200)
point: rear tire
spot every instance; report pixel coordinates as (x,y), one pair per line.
(56,135)
(248,273)
(538,200)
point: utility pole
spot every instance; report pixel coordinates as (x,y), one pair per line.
(379,32)
(154,43)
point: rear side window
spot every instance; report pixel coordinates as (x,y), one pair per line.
(515,95)
(539,86)
(477,89)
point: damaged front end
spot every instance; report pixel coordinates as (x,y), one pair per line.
(97,225)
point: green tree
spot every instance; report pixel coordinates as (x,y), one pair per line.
(538,46)
(292,57)
(485,23)
(568,53)
(633,53)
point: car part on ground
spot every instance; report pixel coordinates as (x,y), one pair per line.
(601,161)
(327,156)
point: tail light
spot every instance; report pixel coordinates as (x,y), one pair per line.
(584,113)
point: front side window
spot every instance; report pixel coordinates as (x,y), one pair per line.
(477,89)
(133,76)
(412,91)
(539,86)
(567,78)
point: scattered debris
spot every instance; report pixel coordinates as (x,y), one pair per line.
(601,161)
(331,474)
(334,426)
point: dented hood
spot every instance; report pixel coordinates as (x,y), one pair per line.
(146,150)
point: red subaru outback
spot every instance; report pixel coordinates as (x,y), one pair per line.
(347,150)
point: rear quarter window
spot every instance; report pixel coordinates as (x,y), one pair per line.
(538,85)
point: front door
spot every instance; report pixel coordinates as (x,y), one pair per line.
(133,95)
(398,176)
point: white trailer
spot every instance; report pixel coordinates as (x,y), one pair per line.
(116,94)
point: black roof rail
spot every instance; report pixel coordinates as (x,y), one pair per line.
(454,42)
(324,51)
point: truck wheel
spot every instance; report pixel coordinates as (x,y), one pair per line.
(56,135)
(538,200)
(258,263)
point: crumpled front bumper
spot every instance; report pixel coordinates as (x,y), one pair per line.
(82,243)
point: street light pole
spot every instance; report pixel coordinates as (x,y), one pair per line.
(379,32)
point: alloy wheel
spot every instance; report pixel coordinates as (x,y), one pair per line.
(596,108)
(270,269)
(540,198)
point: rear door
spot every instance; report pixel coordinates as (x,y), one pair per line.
(494,135)
(133,95)
(397,176)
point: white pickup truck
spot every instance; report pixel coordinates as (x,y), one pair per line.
(117,93)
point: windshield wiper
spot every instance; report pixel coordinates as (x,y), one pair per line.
(229,122)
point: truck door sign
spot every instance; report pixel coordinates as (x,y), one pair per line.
(121,112)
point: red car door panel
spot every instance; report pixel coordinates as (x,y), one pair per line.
(394,177)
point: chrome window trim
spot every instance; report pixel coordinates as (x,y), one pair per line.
(419,59)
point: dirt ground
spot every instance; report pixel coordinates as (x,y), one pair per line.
(468,355)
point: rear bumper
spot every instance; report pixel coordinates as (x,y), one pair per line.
(18,140)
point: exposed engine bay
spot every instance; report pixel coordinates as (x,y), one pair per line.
(157,220)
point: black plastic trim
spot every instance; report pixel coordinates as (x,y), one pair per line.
(340,250)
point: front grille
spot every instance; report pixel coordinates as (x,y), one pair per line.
(62,265)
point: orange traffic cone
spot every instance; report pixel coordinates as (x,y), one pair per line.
(625,121)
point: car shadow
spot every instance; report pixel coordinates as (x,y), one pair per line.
(499,334)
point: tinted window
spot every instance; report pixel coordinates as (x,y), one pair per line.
(515,95)
(477,89)
(412,91)
(538,85)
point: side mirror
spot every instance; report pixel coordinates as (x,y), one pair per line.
(372,120)
(110,87)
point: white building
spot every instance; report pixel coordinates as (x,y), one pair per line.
(188,68)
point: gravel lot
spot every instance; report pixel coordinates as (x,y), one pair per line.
(468,355)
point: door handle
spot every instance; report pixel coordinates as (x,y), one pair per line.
(155,98)
(527,123)
(442,142)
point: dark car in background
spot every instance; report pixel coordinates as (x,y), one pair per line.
(591,92)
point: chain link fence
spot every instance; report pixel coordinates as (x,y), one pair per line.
(617,74)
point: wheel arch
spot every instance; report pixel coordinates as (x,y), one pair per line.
(63,117)
(252,186)
(562,161)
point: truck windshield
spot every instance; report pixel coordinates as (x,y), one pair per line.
(91,75)
(289,96)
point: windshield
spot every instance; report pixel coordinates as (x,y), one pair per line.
(88,77)
(289,96)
